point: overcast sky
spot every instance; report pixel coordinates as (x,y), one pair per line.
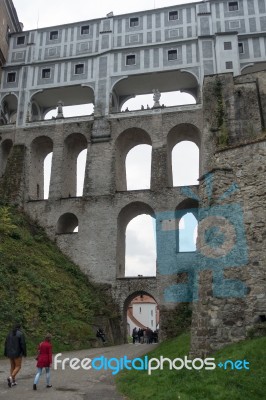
(42,13)
(141,258)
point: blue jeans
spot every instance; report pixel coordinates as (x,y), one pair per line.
(39,372)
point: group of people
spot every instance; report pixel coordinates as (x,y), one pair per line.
(144,335)
(15,349)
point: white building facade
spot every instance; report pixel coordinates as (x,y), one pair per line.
(107,61)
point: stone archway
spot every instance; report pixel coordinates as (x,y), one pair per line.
(126,303)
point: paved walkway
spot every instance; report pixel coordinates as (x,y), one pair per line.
(69,384)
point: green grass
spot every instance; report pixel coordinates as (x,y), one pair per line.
(43,289)
(216,384)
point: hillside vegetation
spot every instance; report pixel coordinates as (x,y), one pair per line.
(43,289)
(184,384)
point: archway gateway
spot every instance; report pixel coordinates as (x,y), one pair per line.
(140,311)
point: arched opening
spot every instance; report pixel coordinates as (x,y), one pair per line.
(73,169)
(72,111)
(170,84)
(167,99)
(67,223)
(185,164)
(253,67)
(141,311)
(60,102)
(137,242)
(9,108)
(81,167)
(40,167)
(5,150)
(138,167)
(187,226)
(126,141)
(188,232)
(47,167)
(140,258)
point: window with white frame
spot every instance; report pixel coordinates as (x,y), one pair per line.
(172,55)
(20,40)
(53,35)
(173,15)
(11,77)
(46,73)
(227,45)
(229,65)
(85,30)
(233,6)
(79,69)
(134,21)
(131,59)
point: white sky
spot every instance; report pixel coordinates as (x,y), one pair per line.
(42,13)
(141,258)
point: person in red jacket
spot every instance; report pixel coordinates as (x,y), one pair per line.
(44,360)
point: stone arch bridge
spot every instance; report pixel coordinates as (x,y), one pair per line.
(224,280)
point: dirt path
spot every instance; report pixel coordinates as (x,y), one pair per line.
(69,384)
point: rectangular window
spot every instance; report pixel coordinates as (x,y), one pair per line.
(53,35)
(79,69)
(21,40)
(140,310)
(133,22)
(152,322)
(46,73)
(227,45)
(173,15)
(85,30)
(172,55)
(229,65)
(233,6)
(131,59)
(152,313)
(241,48)
(11,77)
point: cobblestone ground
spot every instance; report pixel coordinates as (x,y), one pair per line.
(69,384)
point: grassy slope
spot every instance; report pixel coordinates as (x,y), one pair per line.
(201,385)
(42,288)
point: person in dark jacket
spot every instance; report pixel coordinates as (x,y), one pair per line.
(44,360)
(15,349)
(100,334)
